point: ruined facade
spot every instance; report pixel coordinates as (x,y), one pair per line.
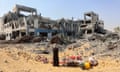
(1,25)
(15,24)
(91,24)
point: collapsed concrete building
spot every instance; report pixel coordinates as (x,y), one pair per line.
(15,24)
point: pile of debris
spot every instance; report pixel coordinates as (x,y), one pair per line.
(2,37)
(40,58)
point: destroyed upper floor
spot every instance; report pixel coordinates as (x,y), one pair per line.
(16,13)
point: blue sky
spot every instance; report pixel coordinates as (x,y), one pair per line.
(108,10)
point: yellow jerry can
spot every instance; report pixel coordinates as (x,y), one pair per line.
(87,65)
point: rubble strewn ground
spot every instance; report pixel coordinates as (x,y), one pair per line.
(25,57)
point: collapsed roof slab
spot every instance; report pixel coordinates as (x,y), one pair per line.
(19,8)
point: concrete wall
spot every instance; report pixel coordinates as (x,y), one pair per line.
(8,31)
(1,25)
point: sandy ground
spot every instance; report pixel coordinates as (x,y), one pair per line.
(16,60)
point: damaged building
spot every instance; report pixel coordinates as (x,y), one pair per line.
(17,24)
(14,24)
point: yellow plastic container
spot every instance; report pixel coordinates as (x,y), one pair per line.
(87,65)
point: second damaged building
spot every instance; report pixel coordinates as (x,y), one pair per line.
(16,25)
